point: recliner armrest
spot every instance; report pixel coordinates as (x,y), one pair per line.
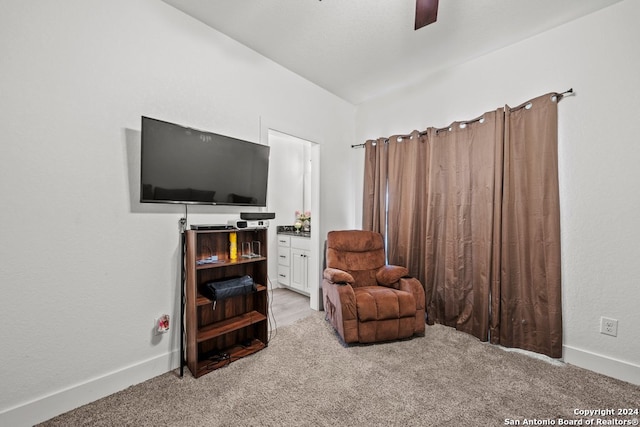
(389,275)
(413,286)
(337,276)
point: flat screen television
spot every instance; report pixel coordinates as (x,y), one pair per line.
(189,166)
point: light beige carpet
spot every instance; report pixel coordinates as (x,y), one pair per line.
(305,377)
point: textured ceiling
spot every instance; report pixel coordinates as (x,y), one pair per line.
(360,49)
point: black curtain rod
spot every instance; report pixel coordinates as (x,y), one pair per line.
(558,96)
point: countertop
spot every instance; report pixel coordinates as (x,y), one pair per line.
(295,233)
(290,230)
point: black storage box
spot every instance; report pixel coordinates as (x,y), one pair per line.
(227,288)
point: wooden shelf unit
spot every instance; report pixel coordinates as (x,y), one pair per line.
(220,333)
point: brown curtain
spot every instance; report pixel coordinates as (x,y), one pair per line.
(374,209)
(530,308)
(465,176)
(407,199)
(472,210)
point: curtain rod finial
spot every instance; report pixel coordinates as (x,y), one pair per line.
(565,93)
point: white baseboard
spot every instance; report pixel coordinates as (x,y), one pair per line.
(605,365)
(59,402)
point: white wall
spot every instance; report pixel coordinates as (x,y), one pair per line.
(288,164)
(599,152)
(84,267)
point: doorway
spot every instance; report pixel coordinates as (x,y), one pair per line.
(294,187)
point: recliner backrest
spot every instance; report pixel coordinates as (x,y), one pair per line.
(358,252)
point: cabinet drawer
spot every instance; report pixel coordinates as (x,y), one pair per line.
(303,243)
(284,240)
(283,275)
(283,256)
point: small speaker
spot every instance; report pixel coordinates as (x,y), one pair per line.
(252,216)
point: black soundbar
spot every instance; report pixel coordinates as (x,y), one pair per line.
(253,216)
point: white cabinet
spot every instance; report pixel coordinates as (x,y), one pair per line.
(300,253)
(284,255)
(293,262)
(300,270)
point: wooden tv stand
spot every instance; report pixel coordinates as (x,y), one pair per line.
(219,334)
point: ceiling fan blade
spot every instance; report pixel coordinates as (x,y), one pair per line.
(426,12)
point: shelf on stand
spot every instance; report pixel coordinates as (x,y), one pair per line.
(234,353)
(229,325)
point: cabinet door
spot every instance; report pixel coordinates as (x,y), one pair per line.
(299,270)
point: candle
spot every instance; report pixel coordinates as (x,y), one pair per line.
(233,246)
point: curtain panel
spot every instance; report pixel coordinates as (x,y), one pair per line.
(407,176)
(530,311)
(374,210)
(461,219)
(472,210)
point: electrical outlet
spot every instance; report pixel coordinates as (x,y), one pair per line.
(609,326)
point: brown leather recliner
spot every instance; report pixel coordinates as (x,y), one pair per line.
(366,300)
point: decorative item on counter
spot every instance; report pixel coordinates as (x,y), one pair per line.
(303,220)
(233,246)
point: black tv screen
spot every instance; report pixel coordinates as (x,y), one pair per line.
(184,165)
